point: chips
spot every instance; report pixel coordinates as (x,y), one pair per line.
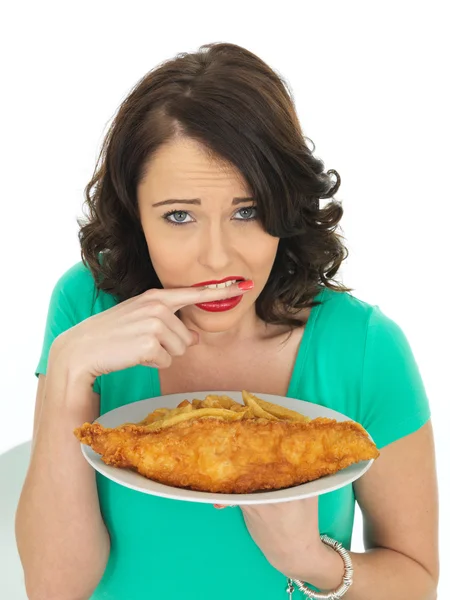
(258,411)
(220,407)
(280,412)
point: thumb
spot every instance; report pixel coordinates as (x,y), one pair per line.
(195,337)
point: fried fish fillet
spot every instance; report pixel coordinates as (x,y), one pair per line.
(237,456)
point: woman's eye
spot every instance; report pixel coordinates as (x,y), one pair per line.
(179,217)
(248,213)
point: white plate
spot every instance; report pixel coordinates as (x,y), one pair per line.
(136,411)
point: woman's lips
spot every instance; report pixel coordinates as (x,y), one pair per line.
(220,305)
(225,303)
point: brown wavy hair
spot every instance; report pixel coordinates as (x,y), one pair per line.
(242,112)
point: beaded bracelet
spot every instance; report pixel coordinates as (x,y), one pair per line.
(338,592)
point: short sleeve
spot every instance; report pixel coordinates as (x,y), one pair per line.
(393,396)
(61,315)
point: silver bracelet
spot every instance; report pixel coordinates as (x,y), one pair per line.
(338,592)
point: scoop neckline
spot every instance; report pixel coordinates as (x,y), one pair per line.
(300,358)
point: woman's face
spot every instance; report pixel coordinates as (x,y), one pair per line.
(200,225)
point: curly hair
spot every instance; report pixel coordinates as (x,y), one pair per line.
(242,112)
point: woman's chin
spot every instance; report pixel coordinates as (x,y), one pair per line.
(214,322)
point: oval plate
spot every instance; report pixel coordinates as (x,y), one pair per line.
(136,411)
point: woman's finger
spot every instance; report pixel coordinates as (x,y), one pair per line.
(158,357)
(177,298)
(170,341)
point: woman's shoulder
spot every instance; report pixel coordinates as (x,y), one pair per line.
(344,310)
(345,325)
(348,328)
(347,310)
(77,287)
(75,277)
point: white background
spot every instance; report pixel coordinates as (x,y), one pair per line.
(369,87)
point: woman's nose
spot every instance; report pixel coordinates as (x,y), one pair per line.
(215,250)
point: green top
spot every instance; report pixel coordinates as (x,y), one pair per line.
(352,358)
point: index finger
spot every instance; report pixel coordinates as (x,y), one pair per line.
(176,298)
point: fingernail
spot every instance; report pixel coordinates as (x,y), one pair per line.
(246,285)
(218,506)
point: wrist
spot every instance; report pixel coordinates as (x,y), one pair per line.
(68,389)
(63,364)
(324,568)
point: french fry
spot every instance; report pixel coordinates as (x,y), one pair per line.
(156,415)
(163,413)
(221,413)
(183,404)
(211,401)
(239,408)
(278,411)
(258,411)
(227,402)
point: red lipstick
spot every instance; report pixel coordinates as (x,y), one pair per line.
(220,305)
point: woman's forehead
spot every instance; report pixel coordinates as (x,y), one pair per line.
(183,170)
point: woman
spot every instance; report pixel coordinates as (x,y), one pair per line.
(206,176)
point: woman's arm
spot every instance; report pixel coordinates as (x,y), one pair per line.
(399,501)
(62,541)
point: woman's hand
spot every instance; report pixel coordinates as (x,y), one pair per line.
(142,330)
(287,533)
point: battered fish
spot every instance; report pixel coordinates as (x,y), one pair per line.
(233,456)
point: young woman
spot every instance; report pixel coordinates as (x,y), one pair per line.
(206,178)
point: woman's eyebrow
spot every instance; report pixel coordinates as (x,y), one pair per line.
(197,201)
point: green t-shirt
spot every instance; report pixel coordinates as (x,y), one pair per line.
(352,358)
